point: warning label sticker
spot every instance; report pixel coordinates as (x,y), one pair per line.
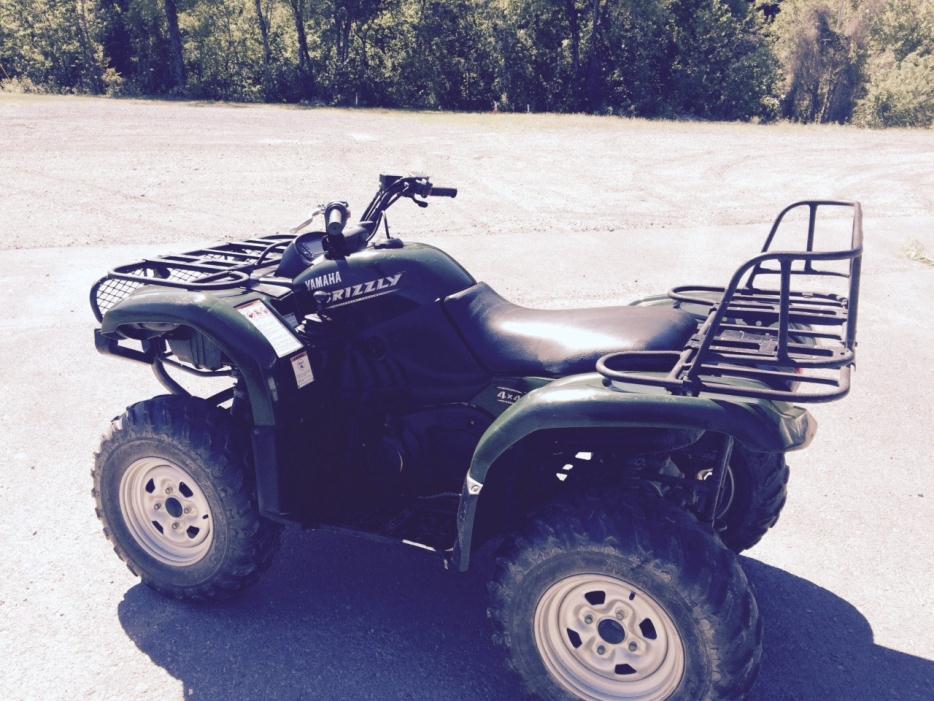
(302,369)
(280,338)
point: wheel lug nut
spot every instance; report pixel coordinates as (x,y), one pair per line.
(588,619)
(187,509)
(620,614)
(633,647)
(168,490)
(600,649)
(157,506)
(175,526)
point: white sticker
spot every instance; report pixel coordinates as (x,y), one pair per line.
(280,338)
(302,369)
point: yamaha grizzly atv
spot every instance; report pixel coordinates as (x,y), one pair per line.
(618,458)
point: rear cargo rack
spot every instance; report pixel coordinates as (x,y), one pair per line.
(780,344)
(219,267)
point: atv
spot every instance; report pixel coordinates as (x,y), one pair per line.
(614,459)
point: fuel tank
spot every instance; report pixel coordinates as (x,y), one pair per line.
(393,347)
(381,282)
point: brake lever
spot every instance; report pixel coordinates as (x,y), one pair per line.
(314,214)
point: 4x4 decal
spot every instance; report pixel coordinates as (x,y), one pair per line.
(508,395)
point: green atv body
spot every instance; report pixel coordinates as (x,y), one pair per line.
(374,386)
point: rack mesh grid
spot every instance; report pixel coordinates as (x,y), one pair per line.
(217,267)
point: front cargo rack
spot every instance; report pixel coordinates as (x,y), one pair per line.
(762,343)
(219,267)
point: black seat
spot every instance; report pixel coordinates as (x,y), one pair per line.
(513,340)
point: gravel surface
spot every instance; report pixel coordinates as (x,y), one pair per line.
(553,211)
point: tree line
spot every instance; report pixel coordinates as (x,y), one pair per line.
(866,61)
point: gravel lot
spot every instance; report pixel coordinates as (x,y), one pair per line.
(553,211)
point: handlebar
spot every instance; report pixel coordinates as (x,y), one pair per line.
(442,191)
(392,188)
(336,215)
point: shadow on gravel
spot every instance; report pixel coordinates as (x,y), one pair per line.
(819,646)
(342,618)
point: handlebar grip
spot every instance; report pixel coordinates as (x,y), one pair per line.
(443,191)
(335,219)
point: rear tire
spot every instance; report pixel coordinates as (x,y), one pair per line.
(173,485)
(755,491)
(624,598)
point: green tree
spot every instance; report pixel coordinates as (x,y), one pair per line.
(176,53)
(343,27)
(637,58)
(223,50)
(900,84)
(447,56)
(819,60)
(539,53)
(902,27)
(299,16)
(899,94)
(823,46)
(135,41)
(556,52)
(53,43)
(721,65)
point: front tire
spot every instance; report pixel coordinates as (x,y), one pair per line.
(174,490)
(624,598)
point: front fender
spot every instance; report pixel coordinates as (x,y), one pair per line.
(215,315)
(584,401)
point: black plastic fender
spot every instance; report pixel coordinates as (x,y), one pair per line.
(584,401)
(214,315)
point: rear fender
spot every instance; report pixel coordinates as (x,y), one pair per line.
(585,402)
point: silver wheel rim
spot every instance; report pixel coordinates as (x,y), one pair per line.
(166,512)
(604,639)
